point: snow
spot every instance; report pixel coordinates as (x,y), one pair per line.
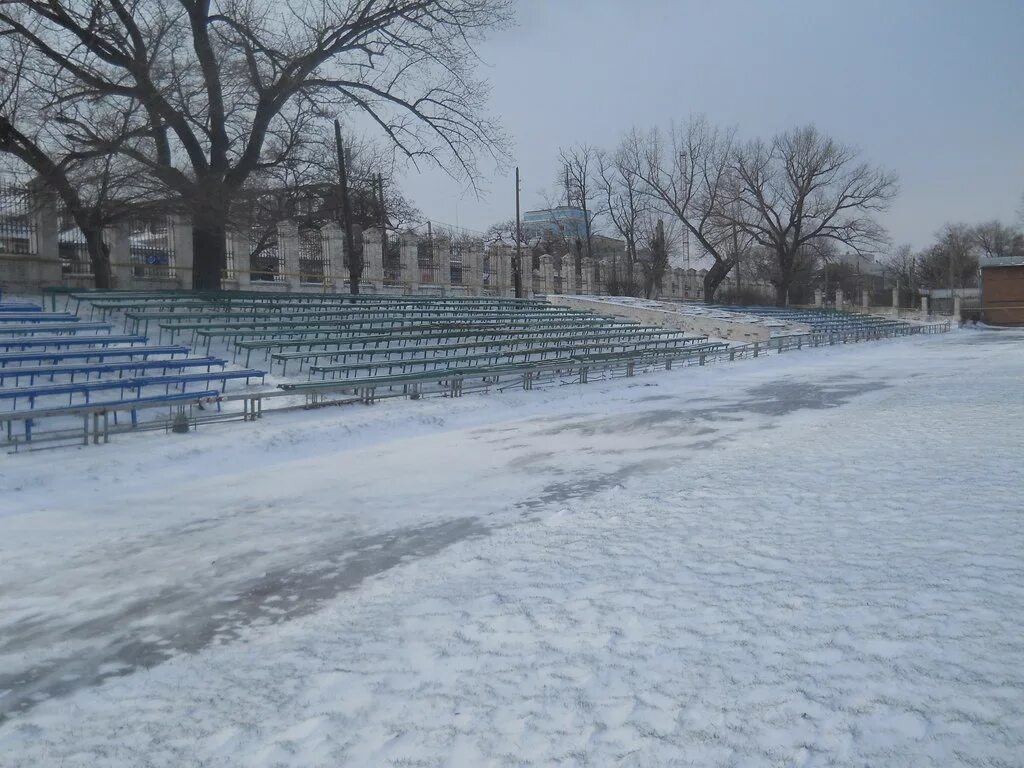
(777,327)
(808,559)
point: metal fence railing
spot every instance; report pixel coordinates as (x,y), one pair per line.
(456,270)
(314,266)
(18,232)
(257,249)
(151,246)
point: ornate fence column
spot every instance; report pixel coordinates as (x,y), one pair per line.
(239,262)
(184,259)
(896,296)
(118,239)
(587,276)
(335,259)
(501,270)
(547,275)
(45,246)
(473,268)
(569,281)
(373,259)
(288,253)
(839,298)
(409,258)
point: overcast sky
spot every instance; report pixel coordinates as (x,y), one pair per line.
(931,89)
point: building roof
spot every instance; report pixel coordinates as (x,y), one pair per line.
(1001,261)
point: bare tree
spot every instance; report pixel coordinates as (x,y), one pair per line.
(224,89)
(996,239)
(803,187)
(902,264)
(95,189)
(686,173)
(579,163)
(622,199)
(952,261)
(507,233)
(305,189)
(654,267)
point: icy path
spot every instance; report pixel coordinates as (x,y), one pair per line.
(809,560)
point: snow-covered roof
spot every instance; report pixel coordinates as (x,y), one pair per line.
(1001,261)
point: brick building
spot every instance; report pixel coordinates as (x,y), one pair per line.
(1002,290)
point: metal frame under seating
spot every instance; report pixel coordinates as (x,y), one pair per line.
(102,411)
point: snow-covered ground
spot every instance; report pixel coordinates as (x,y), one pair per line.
(813,559)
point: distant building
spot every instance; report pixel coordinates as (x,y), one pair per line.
(1002,290)
(563,221)
(607,248)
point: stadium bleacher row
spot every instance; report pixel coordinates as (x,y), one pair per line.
(129,351)
(820,320)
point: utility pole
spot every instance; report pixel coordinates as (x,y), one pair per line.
(517,266)
(355,265)
(736,255)
(951,303)
(383,223)
(441,279)
(684,168)
(825,259)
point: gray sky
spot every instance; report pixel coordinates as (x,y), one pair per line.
(931,89)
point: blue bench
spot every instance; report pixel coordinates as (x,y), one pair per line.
(21,316)
(36,342)
(138,383)
(57,328)
(100,353)
(87,369)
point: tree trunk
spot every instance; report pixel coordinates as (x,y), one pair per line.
(782,287)
(781,292)
(209,250)
(99,257)
(353,280)
(718,272)
(785,278)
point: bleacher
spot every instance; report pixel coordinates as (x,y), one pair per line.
(819,320)
(86,357)
(110,349)
(61,368)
